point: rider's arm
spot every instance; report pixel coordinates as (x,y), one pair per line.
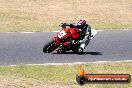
(71,25)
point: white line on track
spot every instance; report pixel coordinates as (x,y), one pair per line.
(27,32)
(20,32)
(102,30)
(10,32)
(56,31)
(126,29)
(76,63)
(94,29)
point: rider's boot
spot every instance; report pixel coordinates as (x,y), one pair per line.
(80,50)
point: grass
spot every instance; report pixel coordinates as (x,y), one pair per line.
(44,15)
(24,76)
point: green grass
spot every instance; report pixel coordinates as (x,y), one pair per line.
(64,75)
(43,15)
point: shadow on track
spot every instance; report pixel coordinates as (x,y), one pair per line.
(84,53)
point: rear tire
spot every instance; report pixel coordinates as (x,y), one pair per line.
(49,47)
(74,48)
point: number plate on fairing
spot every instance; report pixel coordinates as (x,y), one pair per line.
(61,34)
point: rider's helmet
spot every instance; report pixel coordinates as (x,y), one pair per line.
(81,23)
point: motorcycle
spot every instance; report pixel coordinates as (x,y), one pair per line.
(66,35)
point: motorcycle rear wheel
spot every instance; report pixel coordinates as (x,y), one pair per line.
(74,48)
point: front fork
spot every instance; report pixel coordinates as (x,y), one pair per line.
(61,47)
(57,41)
(57,44)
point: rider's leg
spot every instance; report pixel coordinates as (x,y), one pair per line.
(83,45)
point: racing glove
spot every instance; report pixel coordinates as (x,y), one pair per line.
(63,25)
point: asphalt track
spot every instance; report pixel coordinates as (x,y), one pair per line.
(26,48)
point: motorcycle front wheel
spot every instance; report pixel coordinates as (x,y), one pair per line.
(49,47)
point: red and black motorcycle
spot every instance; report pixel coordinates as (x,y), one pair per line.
(64,38)
(66,35)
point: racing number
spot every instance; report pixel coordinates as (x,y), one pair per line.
(61,34)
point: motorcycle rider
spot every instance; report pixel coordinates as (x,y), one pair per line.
(85,33)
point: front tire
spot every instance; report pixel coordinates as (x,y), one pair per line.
(49,47)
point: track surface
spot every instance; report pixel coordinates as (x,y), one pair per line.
(26,48)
